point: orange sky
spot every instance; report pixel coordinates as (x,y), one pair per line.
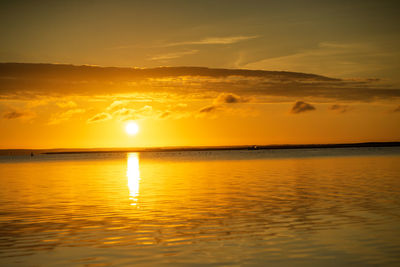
(340,81)
(60,106)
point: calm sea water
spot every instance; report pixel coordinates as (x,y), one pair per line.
(328,207)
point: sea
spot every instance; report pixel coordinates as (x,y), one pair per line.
(283,207)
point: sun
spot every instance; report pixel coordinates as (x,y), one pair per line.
(132,128)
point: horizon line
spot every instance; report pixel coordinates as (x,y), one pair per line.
(198,148)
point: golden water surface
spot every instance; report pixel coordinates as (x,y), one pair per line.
(326,207)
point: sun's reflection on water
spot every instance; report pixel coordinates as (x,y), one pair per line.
(133,175)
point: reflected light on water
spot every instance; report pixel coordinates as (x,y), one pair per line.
(133,175)
(322,207)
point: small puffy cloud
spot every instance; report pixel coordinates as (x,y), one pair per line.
(229,98)
(100,117)
(14,114)
(339,108)
(301,106)
(220,101)
(64,116)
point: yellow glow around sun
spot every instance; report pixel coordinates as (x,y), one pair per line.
(132,128)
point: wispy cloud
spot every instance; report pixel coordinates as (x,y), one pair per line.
(333,59)
(117,104)
(172,114)
(165,114)
(125,114)
(67,104)
(64,116)
(215,40)
(103,116)
(300,107)
(208,109)
(174,55)
(17,114)
(175,111)
(339,108)
(119,110)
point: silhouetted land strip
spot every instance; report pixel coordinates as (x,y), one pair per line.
(181,149)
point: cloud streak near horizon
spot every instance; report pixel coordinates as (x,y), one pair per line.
(173,55)
(215,40)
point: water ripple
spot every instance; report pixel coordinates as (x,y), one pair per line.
(182,209)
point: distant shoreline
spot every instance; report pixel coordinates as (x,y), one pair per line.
(10,152)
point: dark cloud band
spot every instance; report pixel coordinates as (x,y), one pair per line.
(27,81)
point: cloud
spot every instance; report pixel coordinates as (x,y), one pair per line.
(117,105)
(14,114)
(301,106)
(209,109)
(100,117)
(67,104)
(218,109)
(220,102)
(229,98)
(339,108)
(333,59)
(175,111)
(181,105)
(205,41)
(165,114)
(170,114)
(125,114)
(174,55)
(64,116)
(215,40)
(37,81)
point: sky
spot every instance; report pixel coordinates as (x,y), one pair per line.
(198,73)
